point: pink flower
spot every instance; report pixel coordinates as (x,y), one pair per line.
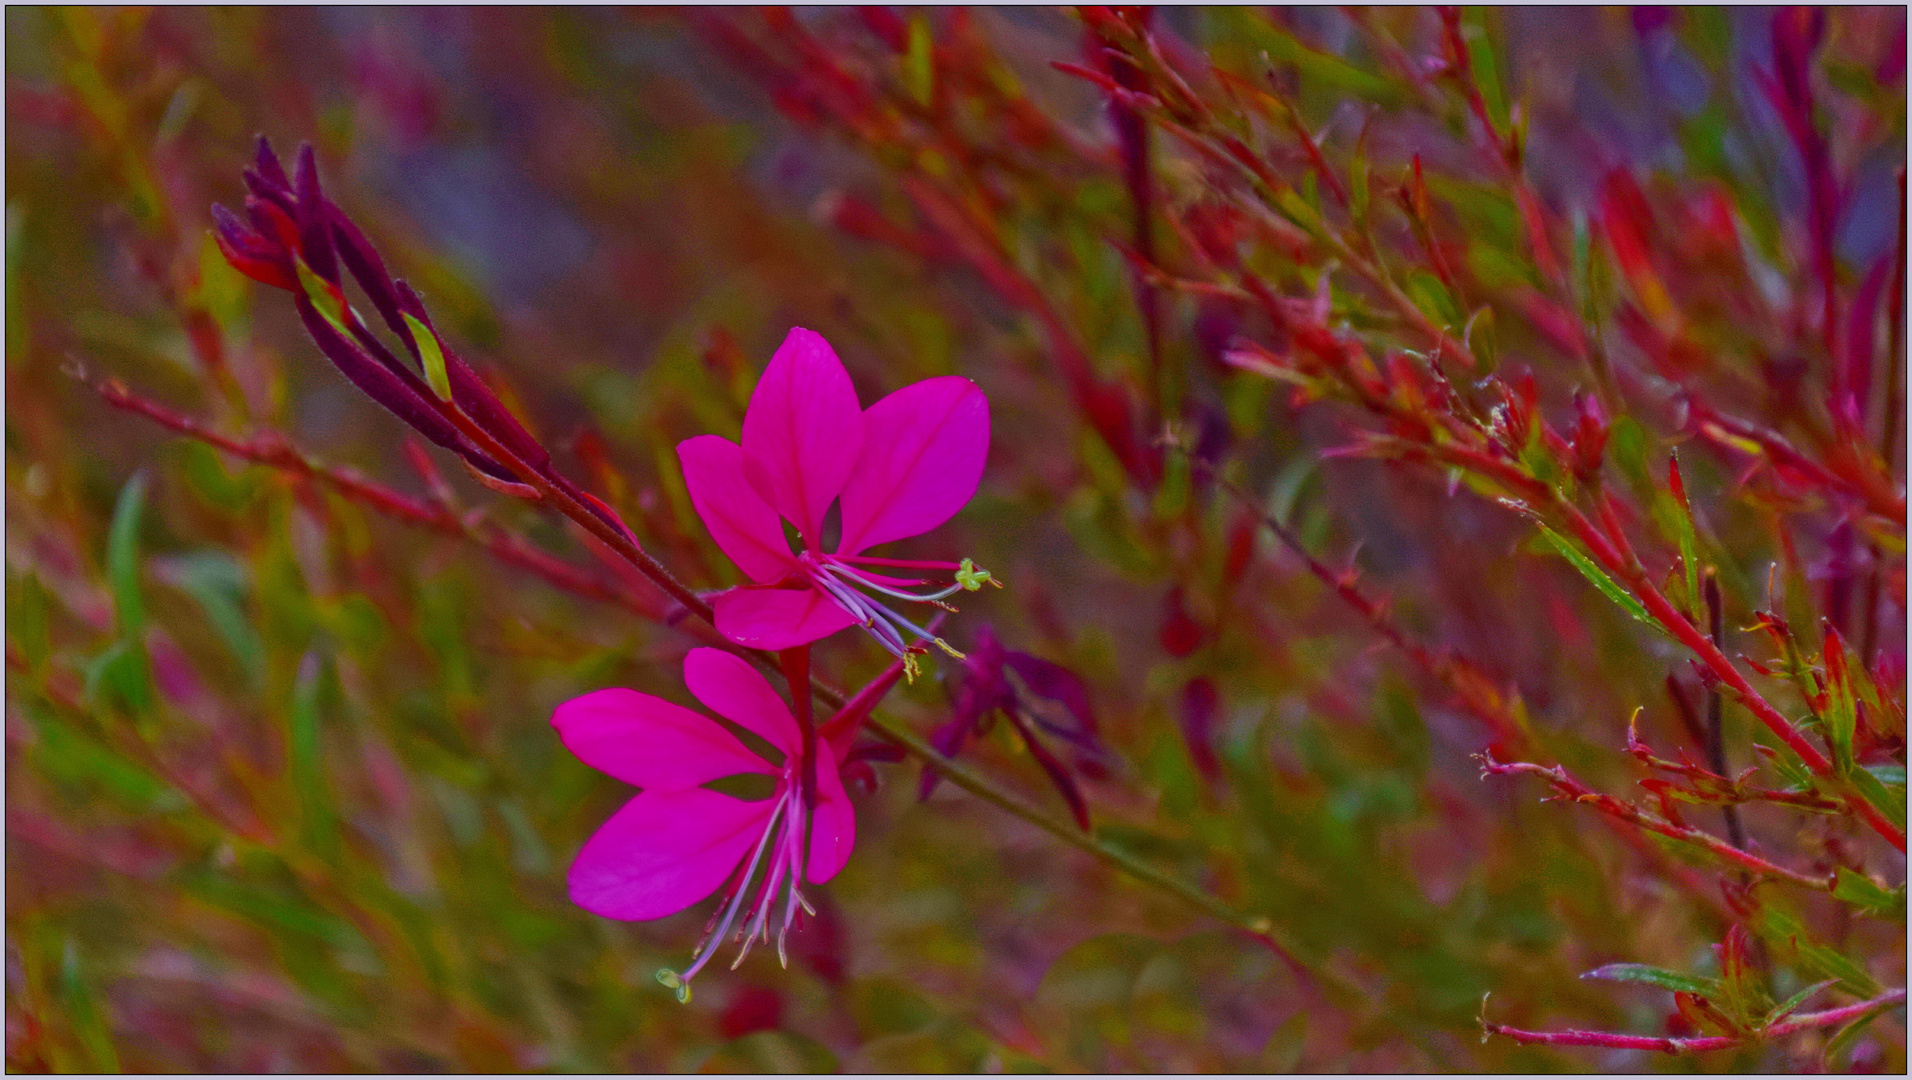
(677,842)
(900,468)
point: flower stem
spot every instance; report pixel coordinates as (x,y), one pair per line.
(796,671)
(1258,927)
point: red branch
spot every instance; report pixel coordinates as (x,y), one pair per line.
(1574,791)
(1695,1046)
(274,451)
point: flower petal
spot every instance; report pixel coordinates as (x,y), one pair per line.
(779,618)
(734,690)
(663,852)
(649,742)
(832,827)
(923,453)
(802,431)
(739,520)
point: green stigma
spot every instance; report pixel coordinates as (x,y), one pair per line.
(972,577)
(675,982)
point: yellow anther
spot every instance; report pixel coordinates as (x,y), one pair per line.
(948,648)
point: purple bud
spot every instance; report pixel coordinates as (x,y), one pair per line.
(315,239)
(1058,773)
(1060,685)
(267,164)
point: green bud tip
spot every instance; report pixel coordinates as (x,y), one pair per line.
(431,356)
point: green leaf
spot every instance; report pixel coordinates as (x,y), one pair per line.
(122,557)
(323,298)
(1790,1005)
(1485,69)
(919,64)
(1660,977)
(307,762)
(1626,441)
(431,356)
(1321,68)
(1431,296)
(1838,1045)
(120,678)
(82,1008)
(1818,960)
(1893,775)
(271,910)
(73,757)
(1879,795)
(218,583)
(1598,577)
(1856,888)
(1689,546)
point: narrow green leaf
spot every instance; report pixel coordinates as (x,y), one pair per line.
(1791,1005)
(1316,67)
(271,910)
(1660,977)
(1432,297)
(431,356)
(119,678)
(73,757)
(122,556)
(1879,796)
(1856,888)
(1818,960)
(307,761)
(1358,188)
(1598,577)
(1893,775)
(83,1009)
(1626,443)
(1689,545)
(323,299)
(1486,70)
(919,64)
(218,583)
(1838,1045)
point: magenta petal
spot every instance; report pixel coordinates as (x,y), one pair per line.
(802,431)
(736,691)
(923,453)
(832,828)
(779,618)
(649,742)
(663,852)
(744,526)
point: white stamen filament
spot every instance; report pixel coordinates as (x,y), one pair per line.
(713,941)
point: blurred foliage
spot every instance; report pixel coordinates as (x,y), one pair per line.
(281,790)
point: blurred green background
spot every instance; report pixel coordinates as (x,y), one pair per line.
(282,794)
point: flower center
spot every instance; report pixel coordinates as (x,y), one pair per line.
(844,578)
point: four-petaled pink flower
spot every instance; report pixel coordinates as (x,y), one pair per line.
(902,467)
(677,842)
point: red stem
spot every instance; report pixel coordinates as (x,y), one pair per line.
(1700,1045)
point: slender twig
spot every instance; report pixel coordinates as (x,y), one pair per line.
(1715,707)
(1804,1022)
(1574,791)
